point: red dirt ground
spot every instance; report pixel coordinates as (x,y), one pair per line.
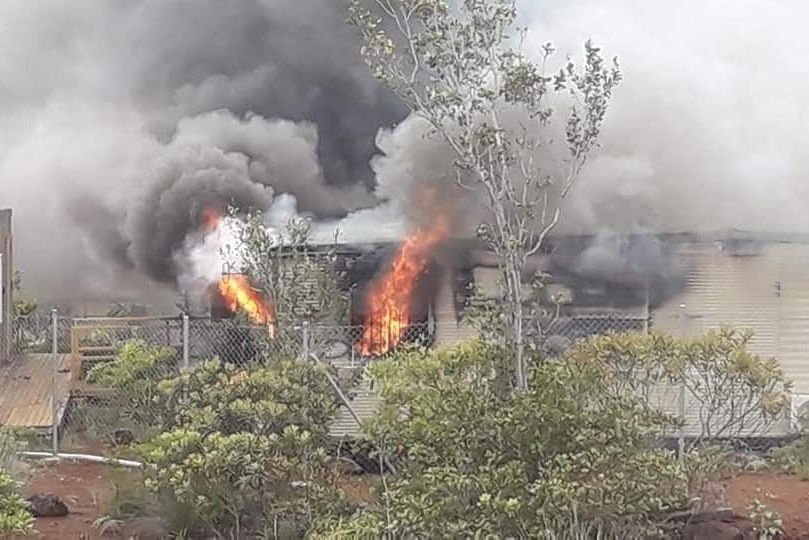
(786,495)
(85,486)
(82,486)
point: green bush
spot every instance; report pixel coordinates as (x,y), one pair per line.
(135,375)
(223,398)
(476,459)
(15,516)
(734,391)
(245,448)
(11,461)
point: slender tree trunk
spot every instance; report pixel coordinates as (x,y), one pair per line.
(515,300)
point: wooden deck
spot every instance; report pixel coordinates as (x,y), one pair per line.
(26,391)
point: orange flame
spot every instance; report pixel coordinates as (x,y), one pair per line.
(235,288)
(238,294)
(390,299)
(211,218)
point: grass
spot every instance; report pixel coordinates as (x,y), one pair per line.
(129,500)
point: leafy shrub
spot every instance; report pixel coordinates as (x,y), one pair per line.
(15,516)
(794,458)
(10,448)
(238,481)
(246,447)
(768,523)
(735,391)
(135,374)
(223,398)
(475,458)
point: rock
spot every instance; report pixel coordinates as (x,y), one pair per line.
(349,467)
(749,462)
(47,505)
(148,528)
(122,437)
(718,527)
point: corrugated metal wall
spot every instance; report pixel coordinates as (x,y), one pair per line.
(766,292)
(722,289)
(793,320)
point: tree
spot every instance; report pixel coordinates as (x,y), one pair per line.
(733,392)
(303,282)
(476,460)
(460,70)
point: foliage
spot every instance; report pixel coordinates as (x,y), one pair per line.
(135,375)
(222,398)
(794,457)
(22,307)
(461,71)
(301,280)
(474,458)
(733,390)
(28,324)
(10,448)
(769,524)
(15,516)
(131,501)
(236,482)
(244,447)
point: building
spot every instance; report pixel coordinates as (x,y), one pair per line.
(681,284)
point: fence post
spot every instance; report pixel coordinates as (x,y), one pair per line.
(681,400)
(54,381)
(305,341)
(186,344)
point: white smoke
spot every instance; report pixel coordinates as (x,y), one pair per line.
(706,132)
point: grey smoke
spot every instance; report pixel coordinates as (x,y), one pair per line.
(706,132)
(120,120)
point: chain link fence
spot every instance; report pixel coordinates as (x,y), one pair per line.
(89,416)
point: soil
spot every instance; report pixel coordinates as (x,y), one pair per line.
(786,495)
(85,487)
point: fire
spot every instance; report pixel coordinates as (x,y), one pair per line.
(211,219)
(235,288)
(238,294)
(390,299)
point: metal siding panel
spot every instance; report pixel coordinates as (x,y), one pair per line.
(793,349)
(723,290)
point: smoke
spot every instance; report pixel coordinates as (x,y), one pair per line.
(120,121)
(706,131)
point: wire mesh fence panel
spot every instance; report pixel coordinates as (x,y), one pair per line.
(349,346)
(114,367)
(229,340)
(31,333)
(560,334)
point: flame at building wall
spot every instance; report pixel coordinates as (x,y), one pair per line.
(389,303)
(239,295)
(235,289)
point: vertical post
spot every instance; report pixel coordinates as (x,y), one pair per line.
(681,401)
(54,382)
(6,287)
(647,315)
(186,344)
(305,341)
